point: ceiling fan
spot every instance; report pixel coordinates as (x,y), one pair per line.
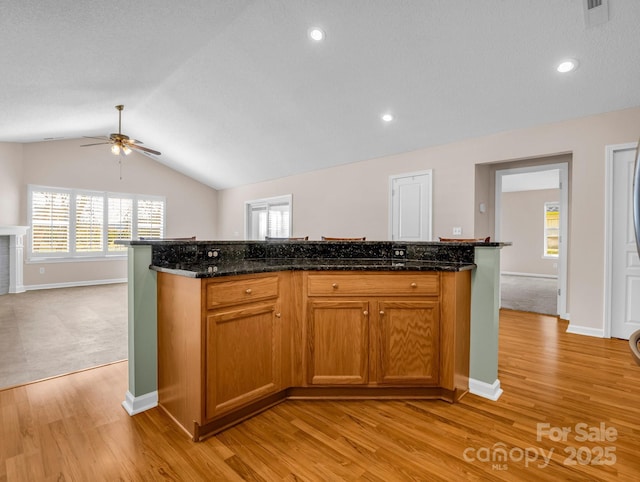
(121,144)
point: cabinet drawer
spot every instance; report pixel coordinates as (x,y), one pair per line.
(241,291)
(383,284)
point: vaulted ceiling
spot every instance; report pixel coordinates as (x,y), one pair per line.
(235,92)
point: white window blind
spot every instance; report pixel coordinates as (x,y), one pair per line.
(269,217)
(150,219)
(69,223)
(120,222)
(89,223)
(50,221)
(278,220)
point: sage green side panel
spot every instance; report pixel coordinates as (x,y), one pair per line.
(143,333)
(485,310)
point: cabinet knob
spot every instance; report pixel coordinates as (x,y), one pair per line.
(278,315)
(248,291)
(365,313)
(381,312)
(334,286)
(414,285)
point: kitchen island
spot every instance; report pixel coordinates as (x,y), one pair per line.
(244,325)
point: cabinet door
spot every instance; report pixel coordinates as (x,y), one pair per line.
(408,338)
(338,342)
(242,357)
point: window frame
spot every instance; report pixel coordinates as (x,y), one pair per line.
(286,199)
(72,254)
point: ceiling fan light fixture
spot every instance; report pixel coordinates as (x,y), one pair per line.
(121,143)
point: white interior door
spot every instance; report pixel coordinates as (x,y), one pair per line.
(625,263)
(410,206)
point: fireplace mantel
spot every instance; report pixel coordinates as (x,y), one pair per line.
(16,256)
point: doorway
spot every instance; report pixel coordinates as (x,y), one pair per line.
(622,290)
(531,210)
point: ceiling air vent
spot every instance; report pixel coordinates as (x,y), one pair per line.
(596,12)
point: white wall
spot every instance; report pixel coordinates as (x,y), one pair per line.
(523,224)
(10,182)
(353,199)
(190,206)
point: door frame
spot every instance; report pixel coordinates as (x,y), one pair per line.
(610,151)
(563,167)
(429,174)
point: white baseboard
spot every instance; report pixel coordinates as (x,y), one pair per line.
(585,330)
(492,391)
(529,275)
(134,405)
(73,284)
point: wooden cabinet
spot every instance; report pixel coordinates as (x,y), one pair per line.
(408,342)
(232,346)
(219,345)
(338,342)
(242,357)
(374,328)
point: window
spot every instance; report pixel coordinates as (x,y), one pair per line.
(268,218)
(120,222)
(69,223)
(551,229)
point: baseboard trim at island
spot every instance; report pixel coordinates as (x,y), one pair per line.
(491,391)
(375,393)
(134,405)
(201,432)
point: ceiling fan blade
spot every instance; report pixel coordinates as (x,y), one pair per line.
(133,141)
(145,149)
(95,144)
(101,138)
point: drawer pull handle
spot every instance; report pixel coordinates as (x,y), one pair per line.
(414,285)
(334,286)
(365,313)
(278,315)
(381,312)
(248,291)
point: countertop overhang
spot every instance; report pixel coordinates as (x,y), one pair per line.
(252,266)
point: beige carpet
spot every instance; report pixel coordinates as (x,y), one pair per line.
(45,333)
(524,293)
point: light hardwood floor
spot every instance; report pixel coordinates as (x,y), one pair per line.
(73,427)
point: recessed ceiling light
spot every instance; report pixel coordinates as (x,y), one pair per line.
(387,117)
(567,66)
(316,34)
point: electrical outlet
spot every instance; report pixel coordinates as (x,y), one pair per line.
(42,270)
(457,231)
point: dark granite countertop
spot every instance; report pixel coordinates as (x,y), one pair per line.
(210,258)
(208,269)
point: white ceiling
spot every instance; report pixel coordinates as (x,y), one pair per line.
(234,92)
